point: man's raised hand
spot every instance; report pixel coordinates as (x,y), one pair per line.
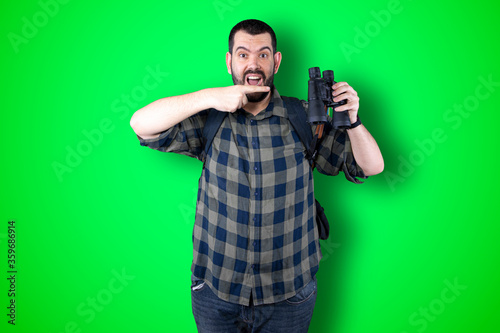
(232,98)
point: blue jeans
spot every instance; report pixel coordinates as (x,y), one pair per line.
(213,315)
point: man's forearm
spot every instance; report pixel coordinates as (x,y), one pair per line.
(164,113)
(366,151)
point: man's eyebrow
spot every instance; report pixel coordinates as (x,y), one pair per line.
(244,48)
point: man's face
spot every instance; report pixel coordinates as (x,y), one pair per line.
(253,62)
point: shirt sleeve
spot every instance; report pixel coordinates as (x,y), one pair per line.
(184,138)
(335,154)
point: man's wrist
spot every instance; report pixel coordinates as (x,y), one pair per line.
(205,99)
(356,123)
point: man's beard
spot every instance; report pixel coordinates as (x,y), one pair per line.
(257,96)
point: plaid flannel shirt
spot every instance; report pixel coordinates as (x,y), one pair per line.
(255,235)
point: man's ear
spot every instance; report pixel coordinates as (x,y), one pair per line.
(228,62)
(277,61)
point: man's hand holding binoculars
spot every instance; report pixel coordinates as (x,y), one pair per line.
(343,91)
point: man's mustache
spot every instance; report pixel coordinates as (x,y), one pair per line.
(255,72)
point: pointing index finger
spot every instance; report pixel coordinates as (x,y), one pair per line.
(250,89)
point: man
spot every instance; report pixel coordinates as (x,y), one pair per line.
(256,248)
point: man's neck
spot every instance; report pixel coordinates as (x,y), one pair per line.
(257,107)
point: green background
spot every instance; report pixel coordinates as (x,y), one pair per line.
(90,203)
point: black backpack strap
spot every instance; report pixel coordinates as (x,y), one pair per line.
(298,118)
(212,124)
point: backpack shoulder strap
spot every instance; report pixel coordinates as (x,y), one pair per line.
(212,124)
(298,118)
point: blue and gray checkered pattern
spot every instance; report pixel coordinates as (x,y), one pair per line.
(255,235)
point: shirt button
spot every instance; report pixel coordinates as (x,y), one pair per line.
(255,219)
(256,194)
(255,168)
(254,243)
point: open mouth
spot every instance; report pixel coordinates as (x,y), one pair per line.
(254,79)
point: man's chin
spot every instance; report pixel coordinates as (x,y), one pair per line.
(257,97)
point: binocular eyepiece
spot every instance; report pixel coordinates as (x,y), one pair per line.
(315,73)
(320,99)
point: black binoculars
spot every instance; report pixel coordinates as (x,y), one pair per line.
(320,99)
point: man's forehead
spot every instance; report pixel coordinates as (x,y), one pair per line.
(242,38)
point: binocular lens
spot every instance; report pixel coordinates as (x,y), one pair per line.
(314,72)
(328,75)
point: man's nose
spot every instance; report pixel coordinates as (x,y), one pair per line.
(254,63)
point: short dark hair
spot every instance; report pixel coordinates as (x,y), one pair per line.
(252,27)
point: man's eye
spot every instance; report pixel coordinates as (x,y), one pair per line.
(242,55)
(263,55)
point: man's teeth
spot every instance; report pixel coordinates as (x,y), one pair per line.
(253,78)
